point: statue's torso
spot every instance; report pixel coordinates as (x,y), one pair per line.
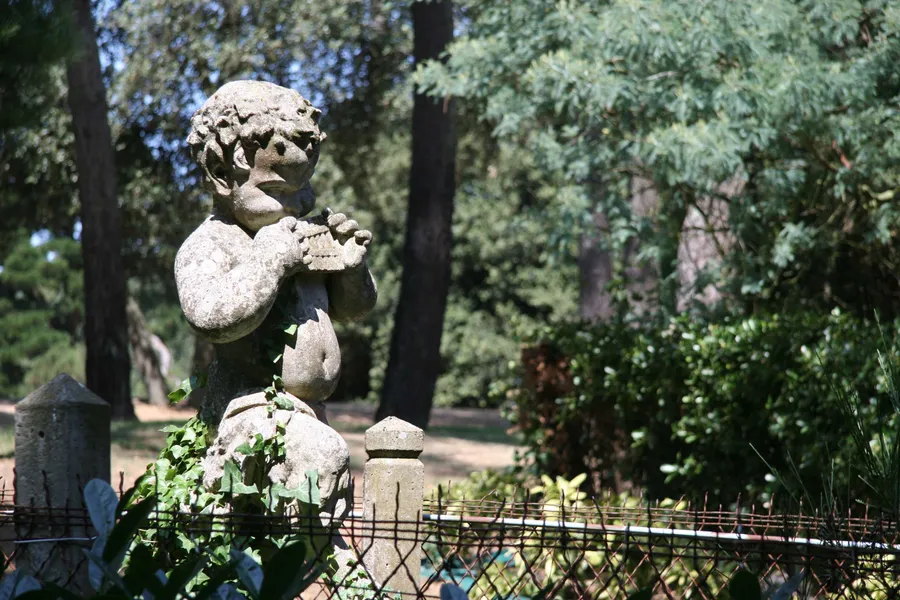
(307,360)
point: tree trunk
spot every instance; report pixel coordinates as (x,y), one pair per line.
(595,263)
(595,271)
(105,324)
(415,356)
(146,360)
(706,239)
(674,212)
(641,277)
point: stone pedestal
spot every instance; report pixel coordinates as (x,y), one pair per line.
(394,486)
(62,442)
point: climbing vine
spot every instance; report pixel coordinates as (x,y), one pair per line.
(186,507)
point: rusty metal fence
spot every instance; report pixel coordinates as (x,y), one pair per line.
(498,550)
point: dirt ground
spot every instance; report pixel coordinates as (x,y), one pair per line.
(458,441)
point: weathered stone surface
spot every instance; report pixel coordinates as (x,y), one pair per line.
(62,434)
(252,269)
(394,437)
(394,486)
(310,445)
(62,442)
(263,283)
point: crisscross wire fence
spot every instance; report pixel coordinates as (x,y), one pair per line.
(494,549)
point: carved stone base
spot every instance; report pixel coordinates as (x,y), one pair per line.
(310,445)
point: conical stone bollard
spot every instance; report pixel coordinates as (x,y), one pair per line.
(62,442)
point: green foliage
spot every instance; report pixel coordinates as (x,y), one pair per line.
(34,37)
(122,566)
(680,407)
(40,314)
(359,75)
(538,562)
(877,447)
(781,113)
(502,277)
(189,385)
(176,480)
(744,586)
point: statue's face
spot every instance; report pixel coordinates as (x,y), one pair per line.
(278,184)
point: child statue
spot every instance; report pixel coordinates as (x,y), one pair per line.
(257,145)
(263,284)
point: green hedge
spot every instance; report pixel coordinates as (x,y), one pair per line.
(678,408)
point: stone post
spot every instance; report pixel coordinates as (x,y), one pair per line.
(62,442)
(393,490)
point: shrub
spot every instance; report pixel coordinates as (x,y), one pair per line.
(683,407)
(536,563)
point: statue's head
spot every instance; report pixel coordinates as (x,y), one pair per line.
(257,144)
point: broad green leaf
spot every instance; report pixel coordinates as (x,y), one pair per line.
(17,583)
(232,481)
(110,573)
(187,387)
(790,587)
(121,535)
(289,571)
(183,573)
(307,492)
(95,574)
(249,572)
(283,402)
(744,586)
(450,591)
(101,502)
(141,573)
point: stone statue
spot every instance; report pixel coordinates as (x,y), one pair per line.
(263,284)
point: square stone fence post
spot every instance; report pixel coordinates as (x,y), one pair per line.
(62,442)
(393,492)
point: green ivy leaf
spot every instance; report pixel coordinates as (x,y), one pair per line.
(259,443)
(291,329)
(307,492)
(186,543)
(232,481)
(187,387)
(283,402)
(189,435)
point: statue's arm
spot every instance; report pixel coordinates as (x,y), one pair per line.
(351,294)
(225,292)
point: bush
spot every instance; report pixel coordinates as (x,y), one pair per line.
(683,407)
(537,562)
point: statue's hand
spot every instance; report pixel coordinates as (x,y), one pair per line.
(279,240)
(353,240)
